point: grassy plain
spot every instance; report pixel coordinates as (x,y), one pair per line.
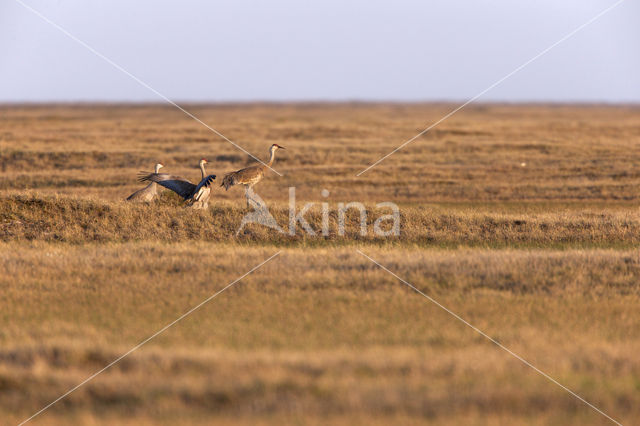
(542,256)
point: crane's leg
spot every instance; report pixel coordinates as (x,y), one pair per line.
(256,199)
(251,199)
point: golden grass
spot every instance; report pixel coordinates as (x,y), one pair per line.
(76,220)
(542,257)
(334,336)
(572,153)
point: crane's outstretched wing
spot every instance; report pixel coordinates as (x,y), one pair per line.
(177,184)
(204,183)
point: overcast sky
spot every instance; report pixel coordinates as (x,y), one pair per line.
(239,50)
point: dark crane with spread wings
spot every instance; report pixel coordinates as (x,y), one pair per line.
(196,196)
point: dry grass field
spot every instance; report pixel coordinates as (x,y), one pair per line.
(522,219)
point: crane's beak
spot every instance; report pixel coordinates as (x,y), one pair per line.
(281,147)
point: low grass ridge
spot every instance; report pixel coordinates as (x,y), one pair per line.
(77,220)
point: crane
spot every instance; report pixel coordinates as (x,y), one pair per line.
(196,196)
(250,176)
(148,193)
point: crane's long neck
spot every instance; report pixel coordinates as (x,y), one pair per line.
(202,170)
(154,185)
(272,156)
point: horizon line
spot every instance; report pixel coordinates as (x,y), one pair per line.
(311,101)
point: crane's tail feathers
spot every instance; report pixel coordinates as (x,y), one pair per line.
(228,181)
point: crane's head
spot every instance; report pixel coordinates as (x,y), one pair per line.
(203,161)
(276,146)
(158,167)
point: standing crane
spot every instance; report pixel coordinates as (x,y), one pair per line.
(196,196)
(148,193)
(249,176)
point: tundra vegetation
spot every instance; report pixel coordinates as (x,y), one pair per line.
(522,219)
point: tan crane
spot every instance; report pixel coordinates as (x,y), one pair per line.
(250,176)
(148,193)
(196,196)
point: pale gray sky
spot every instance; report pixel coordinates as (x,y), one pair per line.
(241,50)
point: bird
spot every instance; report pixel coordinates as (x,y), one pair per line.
(196,196)
(249,176)
(148,193)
